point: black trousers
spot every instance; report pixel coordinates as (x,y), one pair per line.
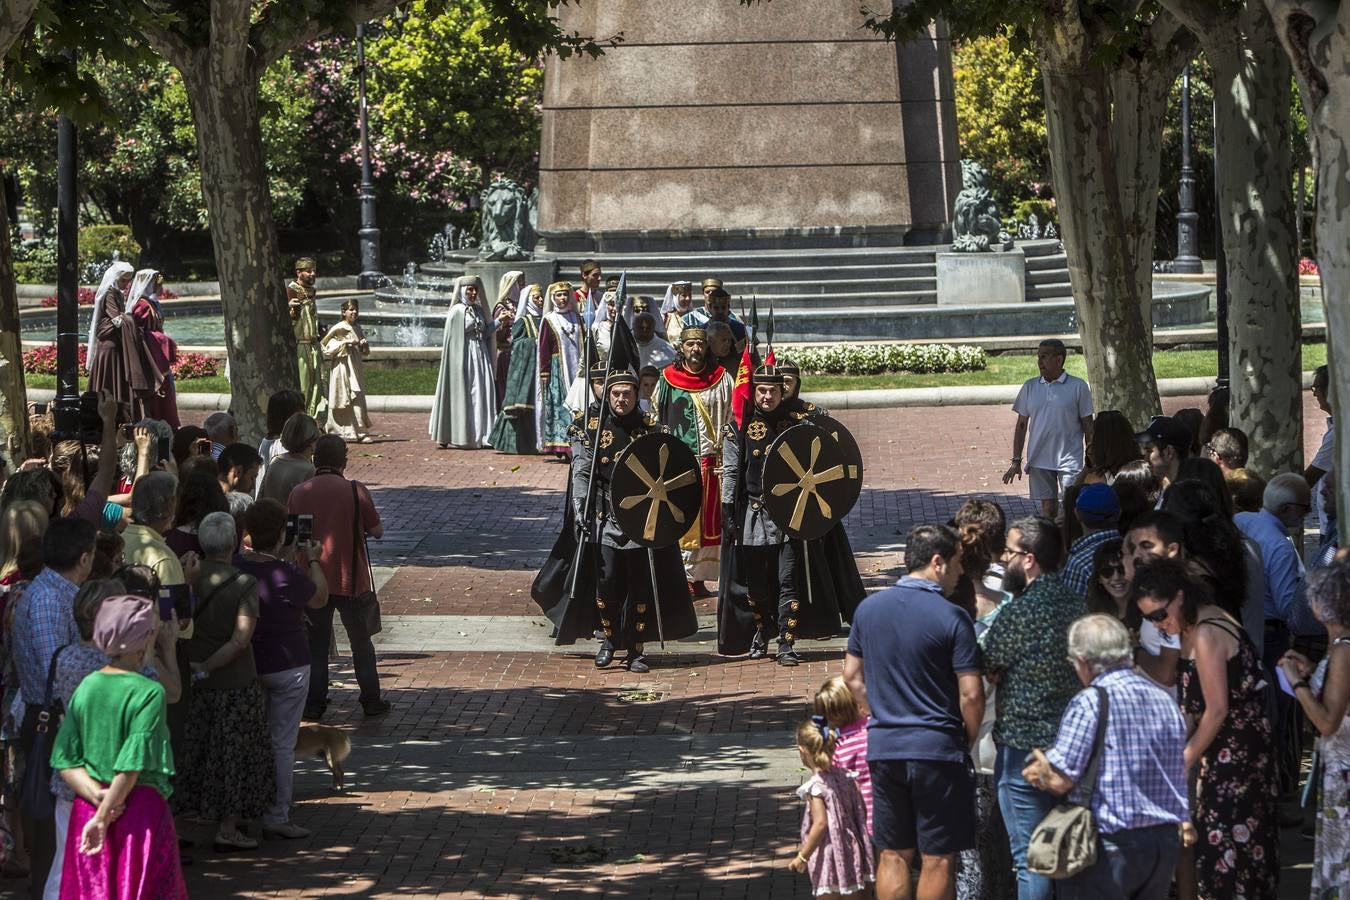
(320,628)
(771,580)
(624,598)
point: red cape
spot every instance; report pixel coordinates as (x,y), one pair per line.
(688,381)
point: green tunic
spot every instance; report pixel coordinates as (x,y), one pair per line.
(514,431)
(116,723)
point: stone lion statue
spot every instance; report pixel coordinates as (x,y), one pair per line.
(507,222)
(975,223)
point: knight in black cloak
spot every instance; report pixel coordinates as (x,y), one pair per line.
(762,589)
(615,583)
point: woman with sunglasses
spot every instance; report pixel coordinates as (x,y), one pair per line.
(1223,692)
(1109,590)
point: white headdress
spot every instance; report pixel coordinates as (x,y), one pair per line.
(110,278)
(508,286)
(141,286)
(464,281)
(669,304)
(525,305)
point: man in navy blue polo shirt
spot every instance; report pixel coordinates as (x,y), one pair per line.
(912,658)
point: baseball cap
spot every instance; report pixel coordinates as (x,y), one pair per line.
(1167,431)
(1097,504)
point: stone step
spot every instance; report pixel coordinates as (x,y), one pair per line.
(815,288)
(648,276)
(1045,276)
(1043,292)
(1049,261)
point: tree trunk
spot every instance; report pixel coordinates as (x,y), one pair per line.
(258,335)
(1252,134)
(1110,295)
(1316,36)
(13,393)
(14,18)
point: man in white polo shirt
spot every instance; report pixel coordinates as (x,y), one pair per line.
(1055,411)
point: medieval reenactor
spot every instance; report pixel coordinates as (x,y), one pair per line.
(787,569)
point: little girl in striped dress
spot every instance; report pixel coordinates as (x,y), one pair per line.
(836,850)
(840,708)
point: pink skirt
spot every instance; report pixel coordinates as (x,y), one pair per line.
(139,859)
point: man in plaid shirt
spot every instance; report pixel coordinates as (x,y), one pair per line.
(1140,798)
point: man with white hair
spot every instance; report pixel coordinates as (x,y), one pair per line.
(222,429)
(1284,505)
(1136,766)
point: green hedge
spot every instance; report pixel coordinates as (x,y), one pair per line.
(877,359)
(99,242)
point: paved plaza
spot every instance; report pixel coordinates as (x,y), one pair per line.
(511,768)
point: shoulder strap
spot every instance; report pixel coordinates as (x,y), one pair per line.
(1089,782)
(51,676)
(359,541)
(206,601)
(1225,626)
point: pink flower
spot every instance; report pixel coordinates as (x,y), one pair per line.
(1215,838)
(1225,756)
(1241,834)
(1258,852)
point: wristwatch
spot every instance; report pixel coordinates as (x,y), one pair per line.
(1301,683)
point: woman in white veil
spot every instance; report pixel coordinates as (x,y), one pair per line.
(463,409)
(116,357)
(508,298)
(144,306)
(679,300)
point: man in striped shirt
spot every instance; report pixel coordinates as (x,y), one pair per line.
(1140,796)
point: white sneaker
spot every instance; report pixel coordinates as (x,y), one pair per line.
(286,831)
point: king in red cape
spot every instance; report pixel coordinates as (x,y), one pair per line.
(694,400)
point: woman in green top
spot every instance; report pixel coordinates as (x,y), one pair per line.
(113,750)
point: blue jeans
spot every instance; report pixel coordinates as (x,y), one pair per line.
(1023,808)
(1131,865)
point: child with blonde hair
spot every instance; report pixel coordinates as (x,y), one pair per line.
(842,713)
(836,850)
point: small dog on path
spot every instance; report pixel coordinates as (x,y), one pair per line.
(329,744)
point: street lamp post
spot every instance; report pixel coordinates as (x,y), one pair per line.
(1187,261)
(66,409)
(1220,262)
(369,233)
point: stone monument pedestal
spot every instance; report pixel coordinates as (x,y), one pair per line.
(537,271)
(981,279)
(722,127)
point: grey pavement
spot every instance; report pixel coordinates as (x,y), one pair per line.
(632,763)
(517,634)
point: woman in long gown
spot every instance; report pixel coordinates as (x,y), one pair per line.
(163,350)
(508,298)
(117,358)
(560,344)
(514,430)
(343,346)
(462,412)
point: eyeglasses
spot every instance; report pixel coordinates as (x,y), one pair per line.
(1009,551)
(1159,614)
(1111,569)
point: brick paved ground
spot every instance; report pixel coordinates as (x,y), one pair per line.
(448,795)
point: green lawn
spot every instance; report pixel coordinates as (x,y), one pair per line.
(1001,370)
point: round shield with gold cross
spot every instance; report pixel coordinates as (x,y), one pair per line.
(657,489)
(853,462)
(807,487)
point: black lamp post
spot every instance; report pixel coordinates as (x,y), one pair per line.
(1187,261)
(66,413)
(369,233)
(1220,260)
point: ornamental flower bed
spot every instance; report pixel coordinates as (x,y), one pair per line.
(877,359)
(86,296)
(1308,267)
(42,361)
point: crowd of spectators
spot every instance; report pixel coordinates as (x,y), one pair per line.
(166,626)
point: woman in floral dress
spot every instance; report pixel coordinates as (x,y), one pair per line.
(1324,693)
(1237,856)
